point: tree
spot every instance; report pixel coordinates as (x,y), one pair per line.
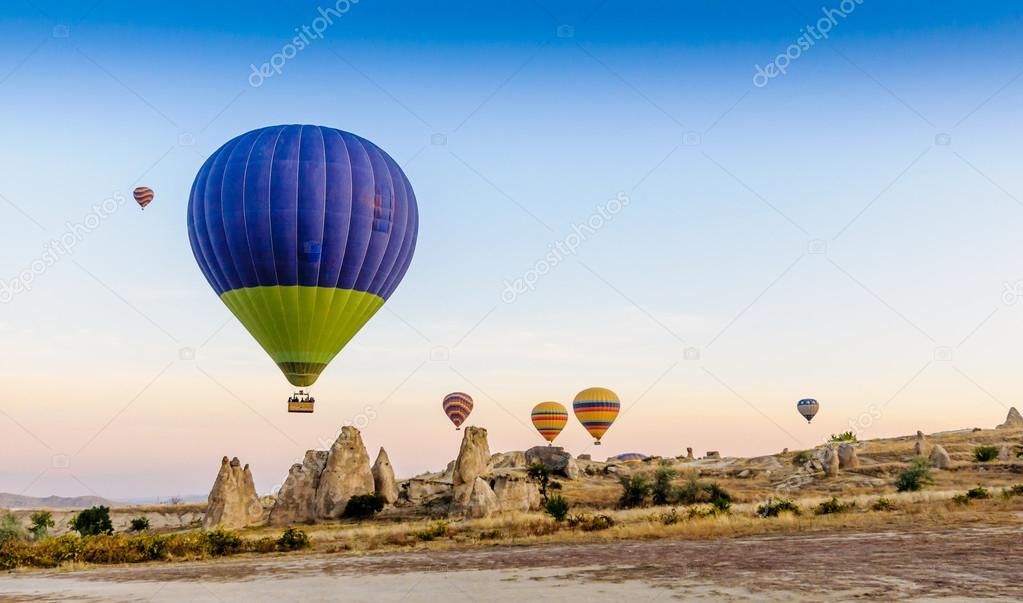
(663,490)
(93,521)
(540,474)
(635,489)
(42,521)
(10,528)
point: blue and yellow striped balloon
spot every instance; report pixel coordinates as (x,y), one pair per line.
(303,232)
(808,407)
(596,408)
(549,419)
(457,406)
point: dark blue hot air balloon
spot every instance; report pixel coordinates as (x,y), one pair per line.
(303,232)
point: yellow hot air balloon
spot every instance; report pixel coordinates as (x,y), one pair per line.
(549,418)
(596,408)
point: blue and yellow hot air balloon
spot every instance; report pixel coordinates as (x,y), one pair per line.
(549,419)
(303,232)
(808,407)
(457,406)
(596,408)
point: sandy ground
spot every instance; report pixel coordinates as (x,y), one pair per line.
(949,565)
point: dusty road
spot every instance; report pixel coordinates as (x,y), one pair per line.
(960,564)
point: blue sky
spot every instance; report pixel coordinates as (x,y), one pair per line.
(891,145)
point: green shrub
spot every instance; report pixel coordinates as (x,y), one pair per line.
(223,542)
(293,539)
(883,504)
(915,477)
(984,454)
(364,506)
(961,499)
(847,436)
(139,524)
(437,530)
(802,457)
(670,517)
(1016,490)
(695,492)
(540,474)
(776,506)
(663,490)
(635,490)
(42,521)
(978,493)
(10,528)
(719,497)
(832,506)
(557,507)
(93,521)
(591,523)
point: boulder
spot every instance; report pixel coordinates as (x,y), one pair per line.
(847,457)
(508,460)
(939,458)
(584,457)
(1012,421)
(785,450)
(472,461)
(346,474)
(713,454)
(419,491)
(383,478)
(233,502)
(296,500)
(481,501)
(515,493)
(918,447)
(555,457)
(689,453)
(1003,453)
(830,462)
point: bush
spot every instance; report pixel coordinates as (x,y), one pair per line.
(695,492)
(557,507)
(883,504)
(139,524)
(669,518)
(915,477)
(663,491)
(976,493)
(591,523)
(776,506)
(847,436)
(719,497)
(293,539)
(635,489)
(832,506)
(984,454)
(223,542)
(1016,490)
(437,530)
(802,457)
(11,529)
(93,521)
(961,499)
(540,474)
(363,506)
(42,521)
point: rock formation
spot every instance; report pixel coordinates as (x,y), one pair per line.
(473,457)
(689,453)
(556,459)
(584,457)
(320,487)
(713,454)
(481,501)
(830,461)
(504,460)
(1012,421)
(847,457)
(516,493)
(233,502)
(918,447)
(383,478)
(939,458)
(1003,453)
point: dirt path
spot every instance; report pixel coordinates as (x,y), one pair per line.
(968,563)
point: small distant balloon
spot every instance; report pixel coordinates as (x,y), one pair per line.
(628,457)
(549,418)
(143,196)
(808,407)
(596,408)
(457,407)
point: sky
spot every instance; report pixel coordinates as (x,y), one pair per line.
(760,202)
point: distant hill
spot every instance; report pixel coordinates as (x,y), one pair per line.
(17,501)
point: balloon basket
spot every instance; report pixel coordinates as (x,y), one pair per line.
(597,443)
(301,402)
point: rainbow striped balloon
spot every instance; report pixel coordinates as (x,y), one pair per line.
(596,408)
(457,407)
(549,418)
(143,196)
(628,457)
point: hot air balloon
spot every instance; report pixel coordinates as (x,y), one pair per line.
(808,408)
(303,232)
(549,418)
(143,196)
(628,457)
(596,408)
(457,407)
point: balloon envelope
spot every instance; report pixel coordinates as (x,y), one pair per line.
(549,418)
(596,408)
(143,196)
(628,457)
(457,407)
(303,232)
(808,407)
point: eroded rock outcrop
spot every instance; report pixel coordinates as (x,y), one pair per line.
(481,501)
(713,454)
(296,500)
(515,493)
(847,457)
(472,461)
(346,474)
(918,446)
(383,478)
(689,453)
(555,457)
(233,502)
(939,458)
(830,461)
(1012,421)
